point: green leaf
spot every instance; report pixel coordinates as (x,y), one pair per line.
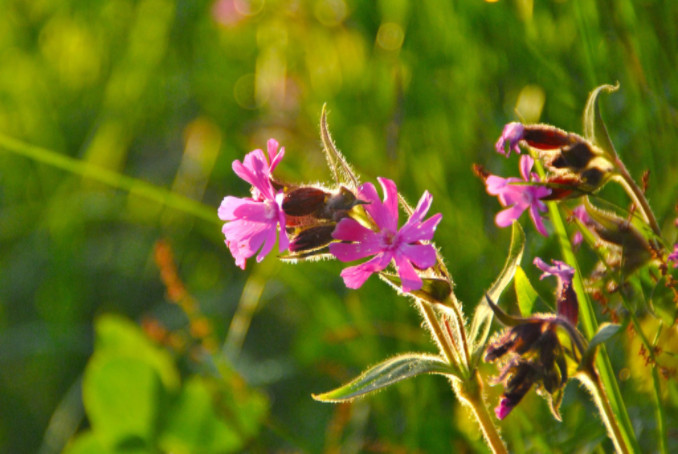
(87,443)
(525,293)
(193,424)
(386,374)
(118,336)
(594,126)
(122,398)
(482,318)
(604,333)
(341,170)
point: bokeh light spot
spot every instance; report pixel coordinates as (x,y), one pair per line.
(390,36)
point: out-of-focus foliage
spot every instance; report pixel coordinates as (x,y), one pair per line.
(171,92)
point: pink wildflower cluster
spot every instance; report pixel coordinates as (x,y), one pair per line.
(252,223)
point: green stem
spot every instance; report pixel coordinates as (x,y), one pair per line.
(636,194)
(437,332)
(659,410)
(471,393)
(607,380)
(110,178)
(469,390)
(592,381)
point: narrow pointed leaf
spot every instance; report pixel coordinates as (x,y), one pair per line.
(341,171)
(386,374)
(594,126)
(482,318)
(504,318)
(526,294)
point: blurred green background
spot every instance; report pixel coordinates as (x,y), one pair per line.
(170,93)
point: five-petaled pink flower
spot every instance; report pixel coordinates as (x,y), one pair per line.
(517,196)
(252,222)
(510,137)
(387,243)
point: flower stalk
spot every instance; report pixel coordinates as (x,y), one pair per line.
(471,393)
(591,380)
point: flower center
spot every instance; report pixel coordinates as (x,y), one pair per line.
(390,239)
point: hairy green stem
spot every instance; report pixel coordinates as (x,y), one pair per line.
(471,393)
(437,332)
(591,380)
(469,390)
(606,376)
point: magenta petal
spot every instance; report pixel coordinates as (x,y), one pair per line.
(526,163)
(495,185)
(348,252)
(385,215)
(228,207)
(423,206)
(559,269)
(351,230)
(536,218)
(503,409)
(274,155)
(355,276)
(422,255)
(513,134)
(506,217)
(409,278)
(423,231)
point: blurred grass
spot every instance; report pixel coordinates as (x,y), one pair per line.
(163,95)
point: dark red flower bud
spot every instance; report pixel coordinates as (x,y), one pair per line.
(304,201)
(312,238)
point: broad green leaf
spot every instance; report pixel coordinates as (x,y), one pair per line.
(87,443)
(604,333)
(117,336)
(482,318)
(122,398)
(525,293)
(386,374)
(594,126)
(193,424)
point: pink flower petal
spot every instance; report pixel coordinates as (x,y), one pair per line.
(424,231)
(526,163)
(409,278)
(421,255)
(506,217)
(355,276)
(347,252)
(351,230)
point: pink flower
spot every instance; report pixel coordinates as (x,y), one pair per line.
(567,304)
(252,223)
(518,196)
(580,213)
(511,136)
(673,257)
(387,244)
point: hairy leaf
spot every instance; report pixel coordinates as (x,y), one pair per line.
(386,374)
(482,318)
(594,126)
